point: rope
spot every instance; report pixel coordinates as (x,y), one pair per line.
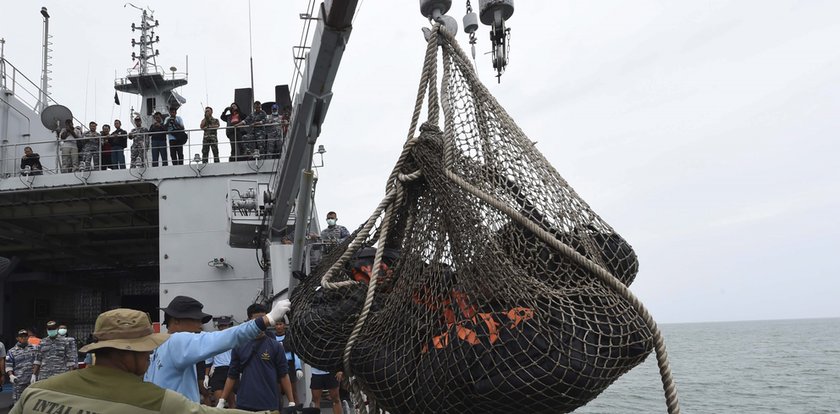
(371,290)
(429,61)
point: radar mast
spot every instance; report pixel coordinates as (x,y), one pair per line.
(146,78)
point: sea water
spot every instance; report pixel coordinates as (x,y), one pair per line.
(785,366)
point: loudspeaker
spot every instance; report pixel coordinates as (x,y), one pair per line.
(243,98)
(282,97)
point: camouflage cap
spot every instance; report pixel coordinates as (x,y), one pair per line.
(126,329)
(52,325)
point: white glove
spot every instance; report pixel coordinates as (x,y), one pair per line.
(278,310)
(291,404)
(34,378)
(299,374)
(13,378)
(221,403)
(207,382)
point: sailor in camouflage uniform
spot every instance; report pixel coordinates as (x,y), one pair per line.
(19,364)
(90,148)
(141,142)
(256,134)
(274,134)
(53,355)
(334,233)
(210,125)
(71,342)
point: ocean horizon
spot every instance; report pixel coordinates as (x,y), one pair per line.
(766,366)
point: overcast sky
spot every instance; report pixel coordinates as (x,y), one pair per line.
(704,131)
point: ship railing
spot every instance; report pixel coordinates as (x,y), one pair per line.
(255,145)
(16,83)
(156,70)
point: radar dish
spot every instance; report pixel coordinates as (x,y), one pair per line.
(53,117)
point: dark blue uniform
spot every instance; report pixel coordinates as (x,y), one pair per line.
(262,364)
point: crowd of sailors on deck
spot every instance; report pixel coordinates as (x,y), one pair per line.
(258,134)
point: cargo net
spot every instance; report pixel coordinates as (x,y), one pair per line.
(482,283)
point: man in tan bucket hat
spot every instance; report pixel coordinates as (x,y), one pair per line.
(124,339)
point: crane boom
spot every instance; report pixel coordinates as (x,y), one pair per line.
(311,103)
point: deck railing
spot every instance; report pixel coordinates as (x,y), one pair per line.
(259,145)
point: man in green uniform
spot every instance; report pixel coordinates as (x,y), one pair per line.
(210,142)
(124,339)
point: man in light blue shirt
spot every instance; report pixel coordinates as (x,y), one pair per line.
(173,363)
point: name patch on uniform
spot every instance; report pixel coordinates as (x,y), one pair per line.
(49,407)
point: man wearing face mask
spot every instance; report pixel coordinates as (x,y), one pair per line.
(19,364)
(124,340)
(53,355)
(334,233)
(173,364)
(71,342)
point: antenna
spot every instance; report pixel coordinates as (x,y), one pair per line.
(206,92)
(45,68)
(251,52)
(146,42)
